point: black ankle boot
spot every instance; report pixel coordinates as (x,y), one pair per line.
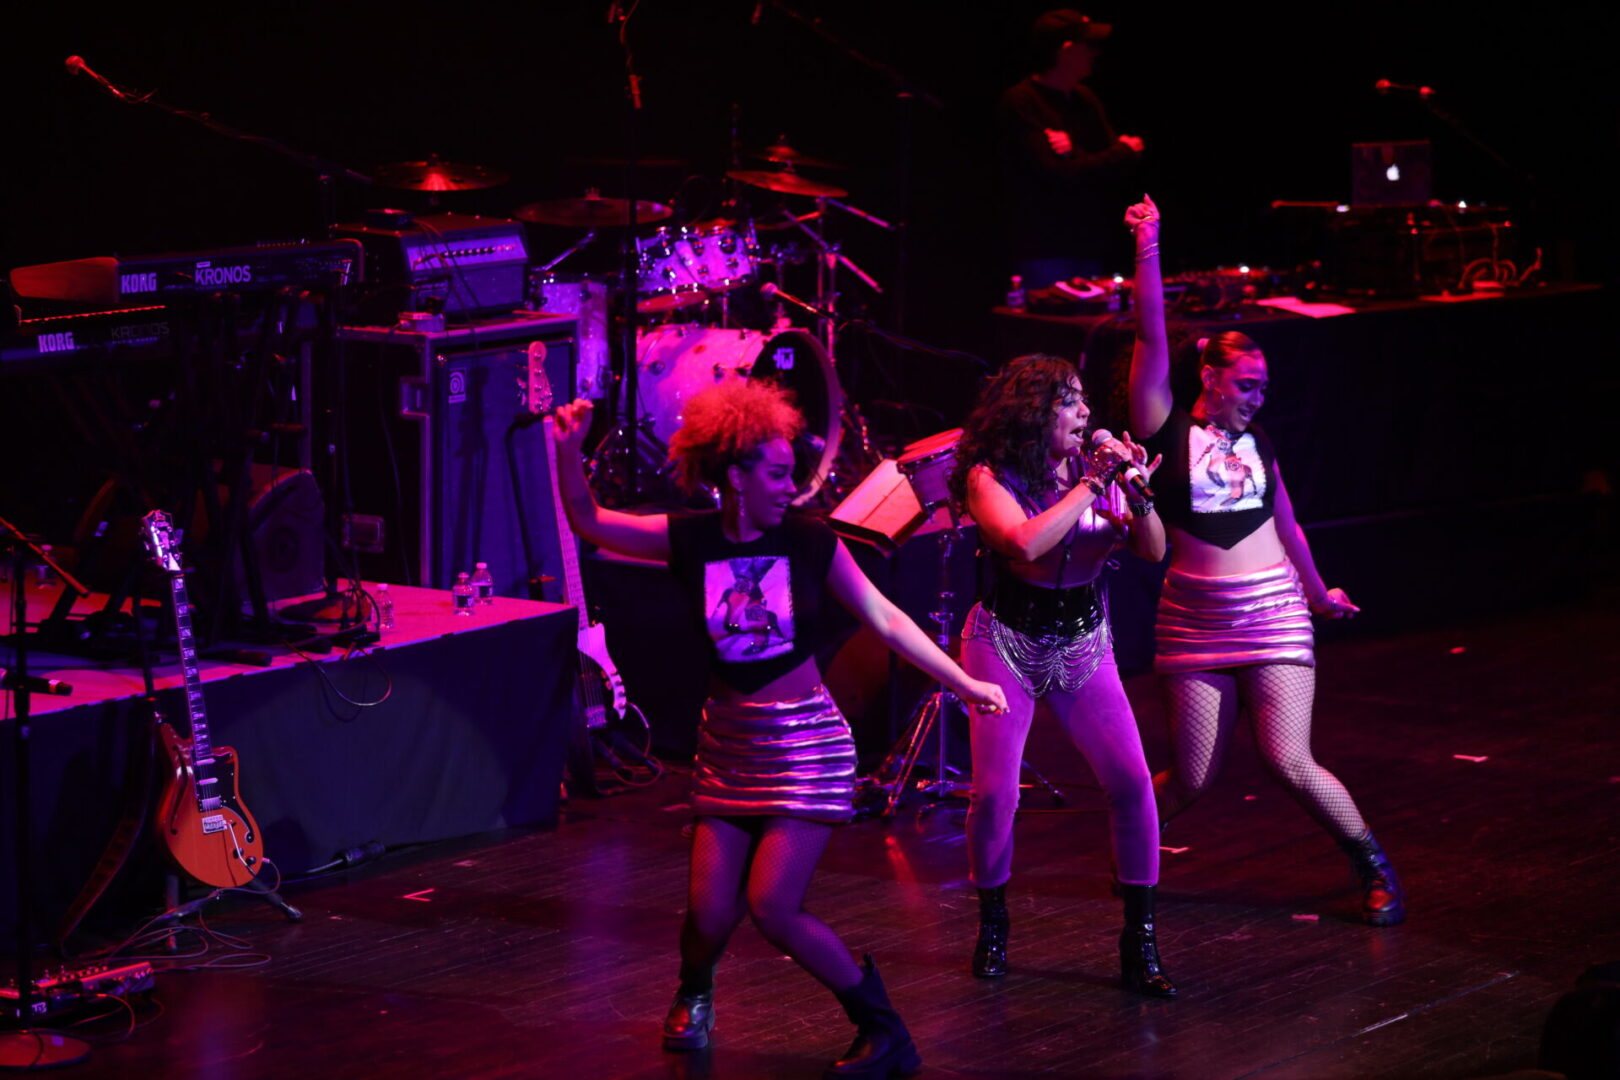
(1139,967)
(990,951)
(1383,902)
(691,1014)
(882,1046)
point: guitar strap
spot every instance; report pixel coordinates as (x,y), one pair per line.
(139,788)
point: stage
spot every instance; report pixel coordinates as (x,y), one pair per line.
(449,726)
(1481,752)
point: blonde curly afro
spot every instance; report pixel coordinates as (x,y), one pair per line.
(726,425)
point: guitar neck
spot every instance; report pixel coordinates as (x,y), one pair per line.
(201,749)
(573,585)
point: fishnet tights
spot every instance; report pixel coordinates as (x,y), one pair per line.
(1203,708)
(761,867)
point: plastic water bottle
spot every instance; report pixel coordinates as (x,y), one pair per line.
(464,594)
(484,583)
(385,608)
(1015,293)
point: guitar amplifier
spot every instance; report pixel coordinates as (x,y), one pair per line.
(441,445)
(459,264)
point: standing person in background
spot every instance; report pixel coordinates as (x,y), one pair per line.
(1234,623)
(775,767)
(1065,170)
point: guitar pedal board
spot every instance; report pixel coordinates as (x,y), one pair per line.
(67,988)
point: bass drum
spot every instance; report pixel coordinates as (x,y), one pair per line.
(673,363)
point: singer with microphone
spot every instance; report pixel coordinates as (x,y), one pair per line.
(1051,510)
(1234,622)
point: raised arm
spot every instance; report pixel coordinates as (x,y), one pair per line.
(1326,602)
(1150,357)
(1005,526)
(644,537)
(876,611)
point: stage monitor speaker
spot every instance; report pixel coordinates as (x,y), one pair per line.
(440,443)
(286,523)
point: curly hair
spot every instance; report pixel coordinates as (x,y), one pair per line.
(1011,424)
(726,425)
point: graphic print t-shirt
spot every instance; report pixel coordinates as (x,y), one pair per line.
(758,604)
(1217,488)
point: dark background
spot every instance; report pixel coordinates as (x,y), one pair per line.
(1239,105)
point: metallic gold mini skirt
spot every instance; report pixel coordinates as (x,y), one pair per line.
(1219,622)
(792,758)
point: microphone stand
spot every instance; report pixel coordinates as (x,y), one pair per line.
(907,94)
(28,1047)
(624,438)
(327,171)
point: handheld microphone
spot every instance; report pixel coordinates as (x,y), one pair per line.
(1104,442)
(770,291)
(34,684)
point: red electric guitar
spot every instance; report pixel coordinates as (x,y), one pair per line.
(200,815)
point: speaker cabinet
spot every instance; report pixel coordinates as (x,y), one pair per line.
(438,440)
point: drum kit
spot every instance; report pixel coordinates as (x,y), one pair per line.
(704,297)
(689,279)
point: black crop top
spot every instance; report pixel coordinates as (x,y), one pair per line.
(1217,488)
(759,604)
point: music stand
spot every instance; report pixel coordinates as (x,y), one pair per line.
(924,472)
(925,465)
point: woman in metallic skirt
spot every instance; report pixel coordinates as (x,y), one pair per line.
(1050,514)
(1234,625)
(775,768)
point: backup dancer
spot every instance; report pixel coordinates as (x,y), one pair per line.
(775,767)
(1234,623)
(1047,509)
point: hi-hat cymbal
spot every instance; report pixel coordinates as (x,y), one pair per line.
(436,175)
(789,183)
(591,211)
(782,153)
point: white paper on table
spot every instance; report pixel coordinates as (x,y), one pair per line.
(1310,309)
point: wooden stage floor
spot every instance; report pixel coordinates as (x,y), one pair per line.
(552,953)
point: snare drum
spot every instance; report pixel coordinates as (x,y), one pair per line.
(689,264)
(673,363)
(927,464)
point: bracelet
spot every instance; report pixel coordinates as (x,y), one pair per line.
(1140,509)
(1097,486)
(1147,253)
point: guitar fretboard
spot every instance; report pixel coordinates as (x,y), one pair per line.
(202,751)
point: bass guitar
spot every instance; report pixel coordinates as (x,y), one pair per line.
(200,815)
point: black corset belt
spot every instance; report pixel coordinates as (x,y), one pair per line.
(1038,612)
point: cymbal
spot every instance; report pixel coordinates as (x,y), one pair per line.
(782,153)
(789,183)
(591,211)
(436,175)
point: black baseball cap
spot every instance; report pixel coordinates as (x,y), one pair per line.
(1067,24)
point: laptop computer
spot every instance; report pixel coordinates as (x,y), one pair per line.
(1391,173)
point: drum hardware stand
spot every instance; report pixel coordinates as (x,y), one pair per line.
(933,715)
(578,246)
(907,93)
